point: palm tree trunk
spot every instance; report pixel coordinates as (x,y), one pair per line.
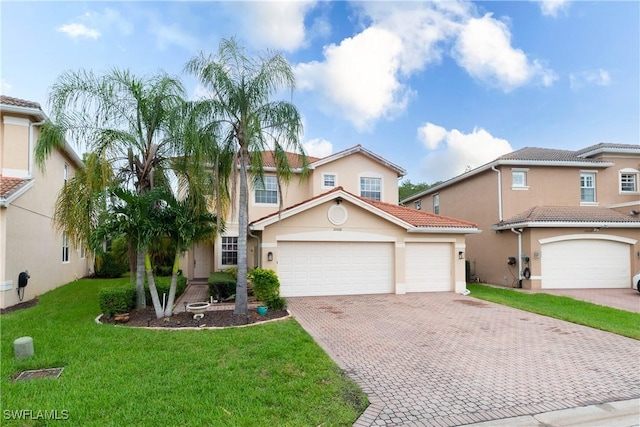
(243,218)
(141,301)
(152,287)
(168,311)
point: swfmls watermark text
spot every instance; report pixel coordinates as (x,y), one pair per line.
(29,414)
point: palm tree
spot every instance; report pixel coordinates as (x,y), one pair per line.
(250,122)
(122,119)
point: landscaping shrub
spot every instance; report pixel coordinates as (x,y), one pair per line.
(233,271)
(117,300)
(222,285)
(163,284)
(109,265)
(276,303)
(467,265)
(266,285)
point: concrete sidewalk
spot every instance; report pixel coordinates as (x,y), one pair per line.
(624,413)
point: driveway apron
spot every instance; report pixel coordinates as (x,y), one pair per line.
(442,359)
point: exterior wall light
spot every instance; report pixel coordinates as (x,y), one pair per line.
(460,255)
(270,256)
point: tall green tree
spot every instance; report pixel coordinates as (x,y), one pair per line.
(250,121)
(123,120)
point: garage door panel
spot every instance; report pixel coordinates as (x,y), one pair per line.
(428,267)
(335,268)
(575,264)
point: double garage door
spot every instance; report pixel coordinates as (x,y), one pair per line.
(353,268)
(575,264)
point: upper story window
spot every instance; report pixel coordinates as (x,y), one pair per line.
(587,187)
(436,203)
(418,204)
(629,180)
(519,179)
(371,188)
(328,180)
(229,250)
(266,192)
(65,173)
(65,247)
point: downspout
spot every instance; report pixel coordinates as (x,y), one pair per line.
(259,246)
(519,233)
(31,148)
(493,168)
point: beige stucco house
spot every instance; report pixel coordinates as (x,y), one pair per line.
(28,241)
(341,231)
(552,218)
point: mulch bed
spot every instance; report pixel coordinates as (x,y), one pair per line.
(219,318)
(20,306)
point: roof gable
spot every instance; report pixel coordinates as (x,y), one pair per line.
(11,188)
(359,149)
(410,219)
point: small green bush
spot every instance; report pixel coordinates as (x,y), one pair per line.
(222,285)
(163,270)
(276,303)
(117,300)
(163,284)
(108,265)
(467,272)
(233,271)
(266,285)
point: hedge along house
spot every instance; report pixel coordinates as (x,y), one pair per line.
(338,243)
(28,241)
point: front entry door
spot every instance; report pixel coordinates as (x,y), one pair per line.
(202,260)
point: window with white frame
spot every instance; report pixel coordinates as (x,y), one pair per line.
(65,247)
(83,251)
(436,203)
(65,173)
(629,180)
(587,187)
(328,180)
(519,178)
(266,191)
(418,204)
(229,250)
(371,188)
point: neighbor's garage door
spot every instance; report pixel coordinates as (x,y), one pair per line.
(428,267)
(585,264)
(335,268)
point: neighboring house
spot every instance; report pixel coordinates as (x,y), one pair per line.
(28,241)
(341,231)
(551,218)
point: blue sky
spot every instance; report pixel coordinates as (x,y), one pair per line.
(432,87)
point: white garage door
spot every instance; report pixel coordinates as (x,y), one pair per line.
(575,264)
(335,268)
(428,267)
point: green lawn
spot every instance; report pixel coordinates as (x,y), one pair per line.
(267,375)
(609,319)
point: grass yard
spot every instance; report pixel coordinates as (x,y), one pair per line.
(266,375)
(609,319)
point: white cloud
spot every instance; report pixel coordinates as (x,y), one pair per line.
(359,76)
(460,152)
(318,147)
(364,78)
(553,7)
(597,77)
(76,31)
(483,48)
(172,34)
(274,24)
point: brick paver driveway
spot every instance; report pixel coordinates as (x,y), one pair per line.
(444,359)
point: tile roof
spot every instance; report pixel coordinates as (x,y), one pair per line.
(544,154)
(8,186)
(295,160)
(577,214)
(419,218)
(413,217)
(605,146)
(17,102)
